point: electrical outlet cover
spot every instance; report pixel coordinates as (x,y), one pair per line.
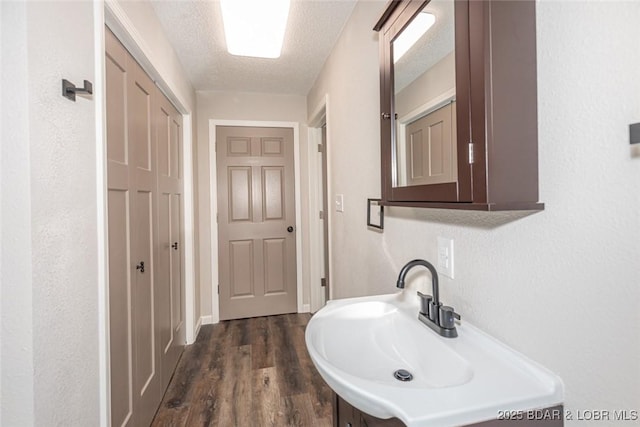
(445,256)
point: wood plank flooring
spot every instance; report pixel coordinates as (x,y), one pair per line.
(248,373)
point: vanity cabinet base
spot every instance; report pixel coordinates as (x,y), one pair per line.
(346,415)
(349,416)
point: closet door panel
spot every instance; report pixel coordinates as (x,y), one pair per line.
(120,308)
(171,252)
(163,280)
(145,375)
(119,208)
(177,290)
(142,143)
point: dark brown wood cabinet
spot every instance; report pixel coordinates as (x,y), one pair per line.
(349,416)
(493,43)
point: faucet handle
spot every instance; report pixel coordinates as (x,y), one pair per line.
(447,317)
(425,302)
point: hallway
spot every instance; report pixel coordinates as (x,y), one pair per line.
(250,372)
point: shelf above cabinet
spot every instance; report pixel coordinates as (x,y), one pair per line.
(487,207)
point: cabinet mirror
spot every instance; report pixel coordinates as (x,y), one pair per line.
(424,94)
(425,101)
(458,104)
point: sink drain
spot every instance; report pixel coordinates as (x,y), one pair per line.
(403,375)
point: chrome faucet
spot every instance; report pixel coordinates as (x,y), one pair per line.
(432,313)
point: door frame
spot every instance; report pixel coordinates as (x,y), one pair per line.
(110,13)
(319,116)
(213,195)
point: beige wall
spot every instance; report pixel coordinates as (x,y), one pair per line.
(249,107)
(562,285)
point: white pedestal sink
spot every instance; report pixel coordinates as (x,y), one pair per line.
(357,344)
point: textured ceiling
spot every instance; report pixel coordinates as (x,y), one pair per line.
(195,30)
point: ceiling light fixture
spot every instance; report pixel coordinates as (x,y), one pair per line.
(255,27)
(410,35)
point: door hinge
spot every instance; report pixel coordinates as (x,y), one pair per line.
(216,217)
(320,148)
(323,282)
(471,157)
(321,215)
(218,289)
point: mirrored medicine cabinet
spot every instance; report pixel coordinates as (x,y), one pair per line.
(458,104)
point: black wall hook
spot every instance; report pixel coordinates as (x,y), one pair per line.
(69,90)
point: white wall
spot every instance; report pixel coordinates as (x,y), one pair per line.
(563,285)
(49,222)
(350,78)
(16,327)
(50,296)
(247,106)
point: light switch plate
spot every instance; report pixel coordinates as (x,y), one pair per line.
(339,203)
(445,256)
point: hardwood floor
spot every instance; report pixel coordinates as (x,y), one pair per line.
(248,373)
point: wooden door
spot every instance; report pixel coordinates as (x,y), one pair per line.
(131,180)
(256,221)
(170,273)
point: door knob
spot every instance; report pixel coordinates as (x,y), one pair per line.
(290,229)
(140,267)
(175,245)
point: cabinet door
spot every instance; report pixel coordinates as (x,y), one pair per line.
(348,416)
(435,167)
(491,74)
(367,420)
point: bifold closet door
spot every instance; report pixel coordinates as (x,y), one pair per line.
(119,183)
(147,373)
(131,180)
(170,274)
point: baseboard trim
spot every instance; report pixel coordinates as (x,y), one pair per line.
(306,308)
(206,320)
(196,330)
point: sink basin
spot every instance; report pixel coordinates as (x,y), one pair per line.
(357,345)
(375,329)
